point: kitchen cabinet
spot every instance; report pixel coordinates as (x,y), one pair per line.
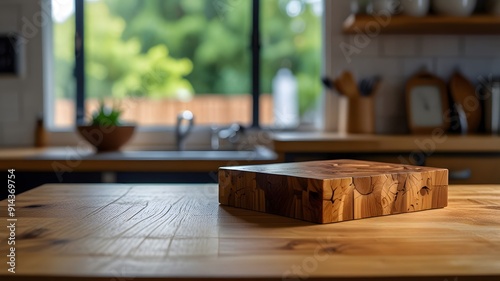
(476,24)
(470,159)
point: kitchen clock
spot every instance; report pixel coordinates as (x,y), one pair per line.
(427,104)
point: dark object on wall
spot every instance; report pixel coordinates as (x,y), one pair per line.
(9,62)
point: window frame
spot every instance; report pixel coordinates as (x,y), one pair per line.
(255,48)
(155,135)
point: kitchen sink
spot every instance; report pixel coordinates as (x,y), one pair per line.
(257,153)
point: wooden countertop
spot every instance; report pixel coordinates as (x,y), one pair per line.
(154,232)
(342,143)
(72,159)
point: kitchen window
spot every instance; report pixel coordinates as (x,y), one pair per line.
(159,57)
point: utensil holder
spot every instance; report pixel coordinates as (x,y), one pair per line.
(361,115)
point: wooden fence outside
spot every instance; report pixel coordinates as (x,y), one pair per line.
(208,109)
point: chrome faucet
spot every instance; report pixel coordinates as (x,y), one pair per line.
(185,123)
(231,135)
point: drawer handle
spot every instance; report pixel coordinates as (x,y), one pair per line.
(464,174)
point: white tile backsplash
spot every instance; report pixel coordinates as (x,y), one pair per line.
(482,46)
(472,68)
(495,66)
(400,46)
(391,125)
(9,18)
(411,66)
(390,98)
(363,67)
(368,48)
(19,134)
(21,97)
(9,84)
(9,100)
(9,107)
(441,46)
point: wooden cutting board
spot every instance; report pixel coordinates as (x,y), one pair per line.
(333,191)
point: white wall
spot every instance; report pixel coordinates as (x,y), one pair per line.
(21,97)
(397,57)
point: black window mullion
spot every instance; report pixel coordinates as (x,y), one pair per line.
(256,45)
(80,61)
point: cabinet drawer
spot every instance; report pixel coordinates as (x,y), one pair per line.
(469,169)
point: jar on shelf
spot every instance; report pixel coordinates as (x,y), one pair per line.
(415,8)
(493,7)
(457,8)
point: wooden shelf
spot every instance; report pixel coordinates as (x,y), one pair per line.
(478,24)
(341,143)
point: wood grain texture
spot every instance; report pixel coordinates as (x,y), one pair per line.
(350,143)
(361,115)
(159,232)
(333,191)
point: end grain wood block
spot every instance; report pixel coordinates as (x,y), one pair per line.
(333,191)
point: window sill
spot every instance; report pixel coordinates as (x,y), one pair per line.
(144,137)
(164,138)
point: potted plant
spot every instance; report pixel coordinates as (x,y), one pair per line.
(106,132)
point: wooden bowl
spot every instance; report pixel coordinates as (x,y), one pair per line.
(106,138)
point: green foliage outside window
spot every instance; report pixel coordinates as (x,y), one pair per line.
(170,48)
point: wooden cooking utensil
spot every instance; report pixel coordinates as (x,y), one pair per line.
(466,102)
(347,85)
